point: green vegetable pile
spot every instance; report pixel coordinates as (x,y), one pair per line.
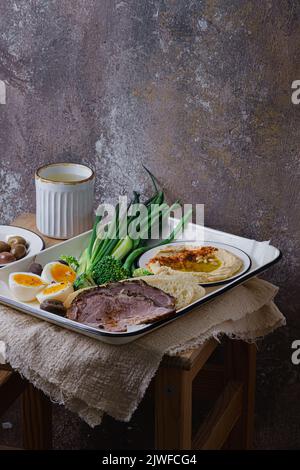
(111,257)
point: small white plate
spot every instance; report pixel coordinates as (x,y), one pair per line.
(35,242)
(145,258)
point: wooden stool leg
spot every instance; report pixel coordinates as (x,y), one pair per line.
(173,409)
(37,420)
(241,365)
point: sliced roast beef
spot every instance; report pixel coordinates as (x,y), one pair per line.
(140,287)
(119,304)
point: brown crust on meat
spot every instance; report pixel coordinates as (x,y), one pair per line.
(117,305)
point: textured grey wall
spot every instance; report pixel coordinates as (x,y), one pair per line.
(197,90)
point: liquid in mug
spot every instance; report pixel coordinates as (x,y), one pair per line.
(64,177)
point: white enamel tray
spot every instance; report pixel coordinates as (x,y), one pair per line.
(262,256)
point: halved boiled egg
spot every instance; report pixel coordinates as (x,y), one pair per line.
(58,291)
(25,286)
(58,272)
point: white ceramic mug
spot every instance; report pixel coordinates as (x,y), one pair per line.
(64,199)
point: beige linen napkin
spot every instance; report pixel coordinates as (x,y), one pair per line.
(92,378)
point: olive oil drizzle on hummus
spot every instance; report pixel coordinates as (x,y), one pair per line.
(194,266)
(201,259)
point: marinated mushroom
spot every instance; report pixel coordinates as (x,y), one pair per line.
(6,257)
(54,306)
(4,247)
(15,248)
(18,250)
(16,239)
(36,268)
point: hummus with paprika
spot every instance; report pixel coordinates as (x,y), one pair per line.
(206,263)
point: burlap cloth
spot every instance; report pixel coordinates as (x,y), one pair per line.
(92,378)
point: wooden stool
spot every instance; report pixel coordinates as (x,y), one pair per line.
(231,421)
(11,387)
(36,409)
(229,424)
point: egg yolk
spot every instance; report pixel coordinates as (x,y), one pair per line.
(62,273)
(28,280)
(53,289)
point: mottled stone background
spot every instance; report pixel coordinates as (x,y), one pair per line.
(200,92)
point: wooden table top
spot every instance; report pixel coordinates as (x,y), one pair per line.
(184,360)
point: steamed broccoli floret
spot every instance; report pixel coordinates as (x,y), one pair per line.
(82,281)
(109,269)
(141,272)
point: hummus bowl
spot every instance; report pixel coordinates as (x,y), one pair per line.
(211,263)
